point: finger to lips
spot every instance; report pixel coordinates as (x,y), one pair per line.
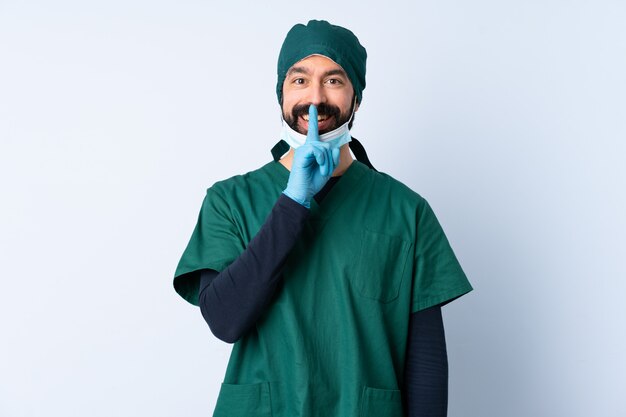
(312,133)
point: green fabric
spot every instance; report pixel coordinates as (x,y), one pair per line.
(319,37)
(333,341)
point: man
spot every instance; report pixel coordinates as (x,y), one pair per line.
(327,275)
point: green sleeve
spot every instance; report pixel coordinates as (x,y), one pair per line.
(215,243)
(437,275)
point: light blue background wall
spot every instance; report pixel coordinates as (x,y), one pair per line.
(508,116)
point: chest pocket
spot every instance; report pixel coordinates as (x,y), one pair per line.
(380,266)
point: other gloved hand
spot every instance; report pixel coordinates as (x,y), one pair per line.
(313,164)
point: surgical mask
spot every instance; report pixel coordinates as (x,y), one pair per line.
(336,138)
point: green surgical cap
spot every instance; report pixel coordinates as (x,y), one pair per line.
(319,37)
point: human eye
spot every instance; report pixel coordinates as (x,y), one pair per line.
(298,81)
(334,81)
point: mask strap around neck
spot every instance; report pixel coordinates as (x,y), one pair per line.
(356,147)
(279,150)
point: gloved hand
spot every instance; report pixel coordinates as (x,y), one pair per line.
(313,164)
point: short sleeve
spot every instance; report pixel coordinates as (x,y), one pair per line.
(437,276)
(215,243)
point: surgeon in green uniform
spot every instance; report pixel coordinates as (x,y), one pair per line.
(348,255)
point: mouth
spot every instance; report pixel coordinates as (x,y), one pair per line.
(324,122)
(320,117)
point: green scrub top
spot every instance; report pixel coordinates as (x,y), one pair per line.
(333,341)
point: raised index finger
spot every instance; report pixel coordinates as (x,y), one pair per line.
(312,135)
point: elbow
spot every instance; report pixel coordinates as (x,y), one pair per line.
(218,324)
(224,333)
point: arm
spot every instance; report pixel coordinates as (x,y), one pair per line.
(232,301)
(426,368)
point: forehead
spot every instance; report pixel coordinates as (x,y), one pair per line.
(316,64)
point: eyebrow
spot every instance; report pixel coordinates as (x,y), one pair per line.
(306,71)
(298,70)
(336,72)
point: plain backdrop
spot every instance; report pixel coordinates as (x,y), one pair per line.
(115,116)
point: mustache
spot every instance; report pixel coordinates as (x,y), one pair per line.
(323,109)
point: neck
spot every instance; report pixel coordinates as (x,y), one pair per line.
(345,159)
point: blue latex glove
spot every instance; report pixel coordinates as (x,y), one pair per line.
(313,164)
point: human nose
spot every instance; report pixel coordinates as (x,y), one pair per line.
(317,94)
